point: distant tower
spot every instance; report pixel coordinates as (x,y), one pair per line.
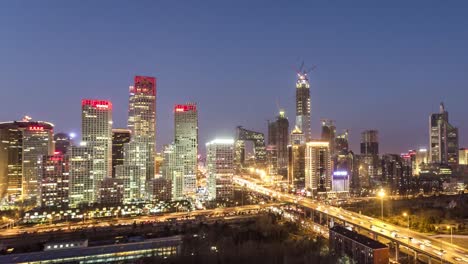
(443,139)
(186,143)
(370,142)
(142,119)
(96,125)
(137,168)
(220,168)
(341,143)
(278,136)
(303,104)
(329,133)
(62,142)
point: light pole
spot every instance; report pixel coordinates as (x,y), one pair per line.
(451,234)
(407,217)
(381,195)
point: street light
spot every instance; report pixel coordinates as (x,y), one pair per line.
(407,216)
(381,195)
(451,234)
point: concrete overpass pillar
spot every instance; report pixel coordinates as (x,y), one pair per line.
(429,261)
(415,257)
(320,218)
(397,251)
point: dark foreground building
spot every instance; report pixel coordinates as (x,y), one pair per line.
(360,248)
(115,253)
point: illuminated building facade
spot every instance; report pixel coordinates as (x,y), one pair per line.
(278,136)
(62,142)
(395,173)
(142,121)
(110,191)
(443,139)
(159,189)
(96,125)
(220,168)
(186,146)
(172,171)
(463,156)
(318,166)
(138,164)
(54,174)
(340,181)
(120,136)
(303,104)
(296,160)
(21,145)
(258,140)
(421,161)
(329,134)
(82,186)
(296,166)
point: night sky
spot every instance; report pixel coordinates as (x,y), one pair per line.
(382,65)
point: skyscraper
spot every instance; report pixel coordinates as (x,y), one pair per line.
(186,144)
(303,104)
(96,126)
(443,139)
(22,143)
(220,168)
(318,166)
(329,133)
(370,142)
(82,186)
(342,143)
(120,136)
(142,119)
(54,174)
(62,142)
(278,135)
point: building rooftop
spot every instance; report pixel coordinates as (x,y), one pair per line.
(91,251)
(361,239)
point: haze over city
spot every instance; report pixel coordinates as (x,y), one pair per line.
(382,66)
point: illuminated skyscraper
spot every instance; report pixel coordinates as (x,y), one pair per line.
(22,143)
(96,125)
(54,173)
(82,186)
(443,139)
(138,165)
(318,166)
(220,168)
(303,104)
(278,136)
(119,138)
(186,144)
(142,119)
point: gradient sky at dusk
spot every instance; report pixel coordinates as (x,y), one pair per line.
(380,64)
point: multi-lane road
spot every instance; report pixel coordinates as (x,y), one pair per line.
(415,241)
(223,213)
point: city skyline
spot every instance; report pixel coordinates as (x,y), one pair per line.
(341,89)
